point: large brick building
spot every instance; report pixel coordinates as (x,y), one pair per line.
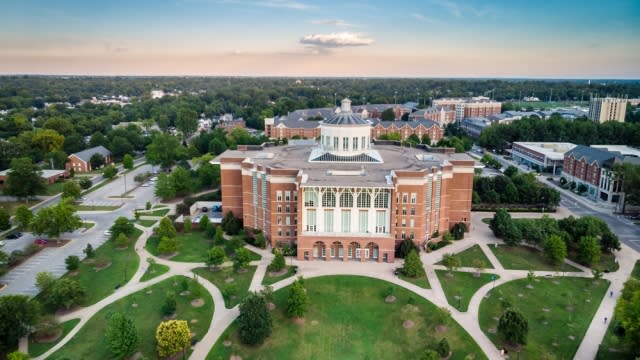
(344,198)
(473,107)
(441,115)
(81,161)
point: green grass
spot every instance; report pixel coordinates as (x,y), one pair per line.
(153,271)
(348,318)
(159,212)
(89,343)
(10,206)
(54,189)
(158,206)
(569,313)
(467,256)
(526,258)
(268,279)
(88,225)
(97,207)
(37,349)
(233,292)
(487,221)
(608,262)
(420,281)
(101,284)
(636,270)
(462,284)
(612,346)
(147,223)
(192,247)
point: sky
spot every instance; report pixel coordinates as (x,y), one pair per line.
(344,38)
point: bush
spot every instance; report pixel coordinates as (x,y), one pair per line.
(122,241)
(277,263)
(47,327)
(89,252)
(73,263)
(187,225)
(170,305)
(147,206)
(168,245)
(405,248)
(204,223)
(413,266)
(85,183)
(443,348)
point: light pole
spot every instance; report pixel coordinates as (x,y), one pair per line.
(395,98)
(334,99)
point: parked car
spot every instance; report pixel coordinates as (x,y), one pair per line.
(40,242)
(15,235)
(107,233)
(1,243)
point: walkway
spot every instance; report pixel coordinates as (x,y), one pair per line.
(481,235)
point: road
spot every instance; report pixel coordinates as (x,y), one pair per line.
(21,280)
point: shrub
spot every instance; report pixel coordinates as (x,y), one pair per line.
(204,223)
(89,252)
(187,225)
(85,183)
(122,241)
(513,327)
(147,206)
(168,245)
(73,263)
(413,266)
(255,322)
(170,305)
(443,348)
(278,262)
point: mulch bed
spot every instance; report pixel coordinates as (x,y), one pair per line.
(278,273)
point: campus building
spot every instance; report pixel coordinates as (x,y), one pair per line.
(607,109)
(441,115)
(49,176)
(473,107)
(343,198)
(547,157)
(81,161)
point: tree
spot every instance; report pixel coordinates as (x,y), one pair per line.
(17,315)
(65,293)
(555,249)
(187,225)
(429,354)
(173,336)
(109,172)
(56,220)
(510,194)
(513,327)
(451,261)
(187,121)
(278,262)
(122,225)
(47,140)
(167,245)
(72,262)
(588,250)
(170,304)
(181,180)
(218,239)
(47,327)
(510,171)
(628,312)
(215,256)
(500,222)
(23,217)
(297,301)
(89,252)
(443,348)
(254,321)
(122,241)
(609,242)
(425,139)
(512,235)
(44,281)
(24,179)
(71,189)
(5,220)
(166,229)
(413,139)
(629,175)
(121,335)
(127,162)
(164,150)
(241,258)
(478,264)
(405,248)
(85,183)
(96,160)
(204,223)
(165,187)
(17,355)
(388,115)
(413,266)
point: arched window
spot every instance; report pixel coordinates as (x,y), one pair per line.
(310,198)
(382,200)
(364,200)
(346,200)
(329,199)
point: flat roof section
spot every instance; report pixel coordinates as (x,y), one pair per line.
(551,150)
(622,149)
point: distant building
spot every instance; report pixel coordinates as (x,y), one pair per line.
(473,107)
(232,124)
(441,115)
(408,128)
(157,94)
(547,157)
(81,161)
(593,168)
(49,176)
(475,126)
(607,109)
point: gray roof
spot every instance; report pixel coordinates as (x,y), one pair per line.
(602,157)
(305,114)
(413,124)
(306,124)
(85,155)
(346,118)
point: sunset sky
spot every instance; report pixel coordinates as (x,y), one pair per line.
(440,38)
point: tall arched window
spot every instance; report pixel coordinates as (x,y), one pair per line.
(382,200)
(310,198)
(329,199)
(364,200)
(346,200)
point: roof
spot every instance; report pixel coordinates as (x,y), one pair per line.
(551,150)
(413,124)
(592,154)
(85,155)
(346,118)
(47,173)
(622,149)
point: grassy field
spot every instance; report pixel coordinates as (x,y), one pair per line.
(636,270)
(462,285)
(88,225)
(268,279)
(559,311)
(542,105)
(37,349)
(526,258)
(192,247)
(348,318)
(89,343)
(153,271)
(10,206)
(101,284)
(159,212)
(234,290)
(420,281)
(54,189)
(147,223)
(467,256)
(97,207)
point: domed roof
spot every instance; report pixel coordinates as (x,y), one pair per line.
(345,116)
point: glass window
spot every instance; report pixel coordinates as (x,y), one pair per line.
(364,200)
(380,222)
(311,220)
(328,220)
(335,143)
(287,196)
(345,143)
(279,195)
(413,198)
(346,221)
(355,143)
(329,199)
(310,198)
(382,200)
(346,200)
(363,220)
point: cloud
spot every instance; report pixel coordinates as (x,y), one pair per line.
(334,22)
(422,18)
(334,40)
(458,10)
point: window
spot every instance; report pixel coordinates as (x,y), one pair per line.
(279,232)
(403,235)
(380,222)
(287,196)
(364,200)
(412,223)
(404,211)
(355,143)
(413,211)
(382,200)
(363,221)
(413,198)
(287,208)
(335,143)
(295,196)
(328,220)
(279,219)
(310,198)
(346,200)
(346,221)
(363,143)
(279,196)
(404,198)
(345,143)
(311,220)
(279,208)
(287,220)
(287,233)
(329,199)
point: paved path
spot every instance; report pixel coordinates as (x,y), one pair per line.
(480,235)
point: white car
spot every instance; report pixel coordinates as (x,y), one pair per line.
(107,233)
(146,185)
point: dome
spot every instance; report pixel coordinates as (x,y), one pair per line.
(345,116)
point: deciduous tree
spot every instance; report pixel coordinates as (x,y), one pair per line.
(165,187)
(297,301)
(71,189)
(254,322)
(56,220)
(65,293)
(513,327)
(127,162)
(413,266)
(23,217)
(122,225)
(588,250)
(555,249)
(278,262)
(172,336)
(164,150)
(72,262)
(24,179)
(121,335)
(17,314)
(5,219)
(166,228)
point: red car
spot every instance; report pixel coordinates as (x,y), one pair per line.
(40,242)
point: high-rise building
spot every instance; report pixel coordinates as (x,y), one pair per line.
(607,109)
(345,198)
(473,107)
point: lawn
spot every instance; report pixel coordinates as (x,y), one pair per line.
(97,207)
(154,270)
(54,189)
(234,290)
(348,318)
(459,288)
(420,281)
(467,256)
(147,223)
(10,206)
(37,349)
(101,284)
(89,343)
(526,258)
(192,247)
(268,279)
(87,225)
(636,270)
(159,212)
(559,311)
